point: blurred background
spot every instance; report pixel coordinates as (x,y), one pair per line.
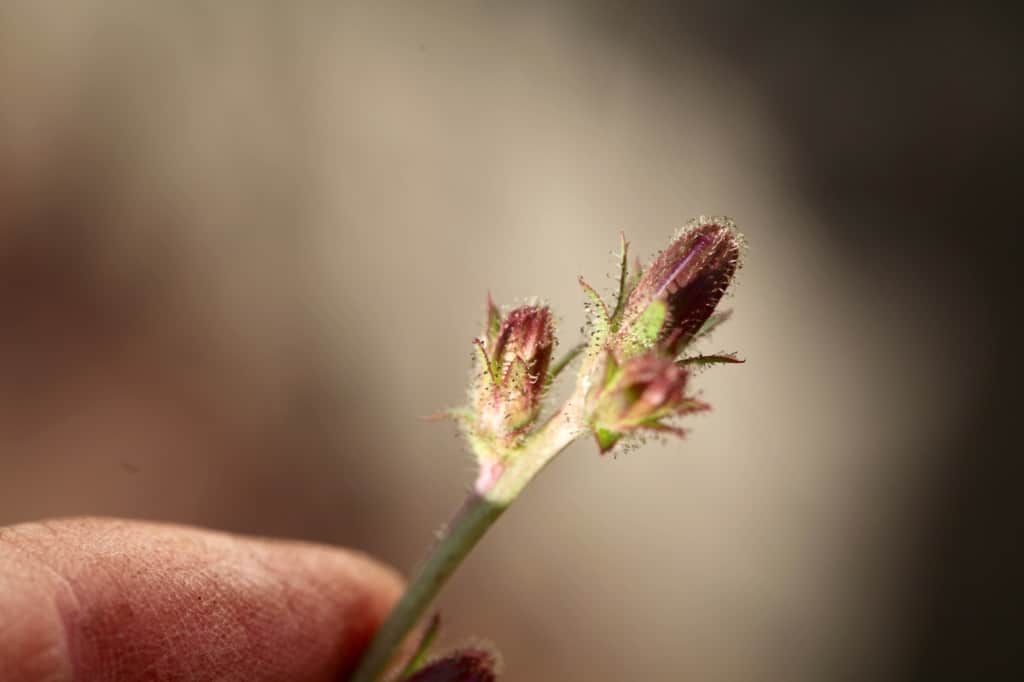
(244,247)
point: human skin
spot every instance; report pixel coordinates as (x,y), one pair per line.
(105,599)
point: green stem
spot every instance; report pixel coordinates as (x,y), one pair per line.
(478,513)
(458,538)
(561,364)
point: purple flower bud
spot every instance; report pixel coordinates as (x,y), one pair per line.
(526,335)
(465,665)
(689,277)
(515,354)
(638,395)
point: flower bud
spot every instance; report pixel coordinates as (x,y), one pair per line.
(515,354)
(680,289)
(474,664)
(638,395)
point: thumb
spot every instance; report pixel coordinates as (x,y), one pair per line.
(102,599)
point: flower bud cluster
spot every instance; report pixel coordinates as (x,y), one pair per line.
(635,374)
(641,378)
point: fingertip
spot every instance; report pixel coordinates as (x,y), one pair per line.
(115,598)
(350,592)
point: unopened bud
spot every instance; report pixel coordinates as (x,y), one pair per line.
(515,354)
(466,665)
(680,289)
(637,395)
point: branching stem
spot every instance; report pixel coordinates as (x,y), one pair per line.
(564,361)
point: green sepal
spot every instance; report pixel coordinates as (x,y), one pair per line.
(516,377)
(661,427)
(634,278)
(711,324)
(612,371)
(624,288)
(493,322)
(718,359)
(489,364)
(599,318)
(606,439)
(647,328)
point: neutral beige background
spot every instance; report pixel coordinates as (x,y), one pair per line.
(245,247)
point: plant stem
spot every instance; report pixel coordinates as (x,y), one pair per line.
(478,513)
(460,536)
(563,362)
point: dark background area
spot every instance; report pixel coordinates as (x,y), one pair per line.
(905,123)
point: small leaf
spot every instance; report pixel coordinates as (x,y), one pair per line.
(719,359)
(662,427)
(606,439)
(492,370)
(638,272)
(599,318)
(493,321)
(620,300)
(712,323)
